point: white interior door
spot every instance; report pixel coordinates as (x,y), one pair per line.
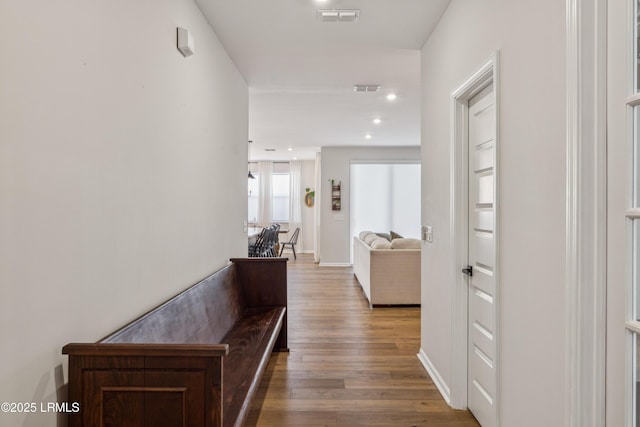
(632,215)
(481,353)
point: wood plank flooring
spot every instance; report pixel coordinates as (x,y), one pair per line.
(348,365)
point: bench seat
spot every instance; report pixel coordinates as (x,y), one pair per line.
(196,360)
(250,342)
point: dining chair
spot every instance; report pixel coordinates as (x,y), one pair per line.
(256,249)
(292,242)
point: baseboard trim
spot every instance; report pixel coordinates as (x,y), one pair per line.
(441,385)
(335,264)
(395,305)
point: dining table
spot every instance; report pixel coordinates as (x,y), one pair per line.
(254,232)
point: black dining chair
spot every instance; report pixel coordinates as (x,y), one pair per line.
(271,239)
(258,247)
(292,242)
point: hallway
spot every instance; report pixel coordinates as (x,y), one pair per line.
(348,365)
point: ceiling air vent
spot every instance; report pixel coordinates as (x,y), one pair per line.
(366,88)
(338,15)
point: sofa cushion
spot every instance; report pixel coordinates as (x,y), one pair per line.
(405,243)
(364,234)
(381,243)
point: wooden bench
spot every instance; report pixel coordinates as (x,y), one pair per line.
(196,360)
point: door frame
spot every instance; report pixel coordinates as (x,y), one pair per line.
(486,74)
(586,213)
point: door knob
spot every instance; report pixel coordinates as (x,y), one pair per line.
(468,270)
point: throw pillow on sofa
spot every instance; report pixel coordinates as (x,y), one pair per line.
(395,235)
(364,234)
(368,239)
(384,235)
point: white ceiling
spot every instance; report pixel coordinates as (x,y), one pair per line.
(301,71)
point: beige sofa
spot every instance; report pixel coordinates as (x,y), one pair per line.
(387,274)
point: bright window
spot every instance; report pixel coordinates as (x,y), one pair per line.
(279,197)
(254,190)
(280,201)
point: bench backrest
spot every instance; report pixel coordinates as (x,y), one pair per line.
(200,315)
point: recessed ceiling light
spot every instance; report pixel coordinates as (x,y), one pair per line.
(368,136)
(290,148)
(392,97)
(377,121)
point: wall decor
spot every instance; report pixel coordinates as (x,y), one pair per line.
(336,198)
(308,197)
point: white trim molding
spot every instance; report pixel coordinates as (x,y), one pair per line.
(586,198)
(486,74)
(440,383)
(334,264)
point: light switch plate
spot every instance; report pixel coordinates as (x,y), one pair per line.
(427,233)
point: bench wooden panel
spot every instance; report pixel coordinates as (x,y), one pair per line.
(196,360)
(186,319)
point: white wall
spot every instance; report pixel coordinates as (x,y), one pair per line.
(531,39)
(308,218)
(335,240)
(122,175)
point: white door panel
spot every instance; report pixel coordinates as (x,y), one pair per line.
(484,156)
(484,187)
(483,280)
(484,124)
(483,332)
(483,370)
(483,245)
(483,219)
(482,346)
(483,308)
(477,393)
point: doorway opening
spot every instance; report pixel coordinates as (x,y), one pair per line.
(385,197)
(474,249)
